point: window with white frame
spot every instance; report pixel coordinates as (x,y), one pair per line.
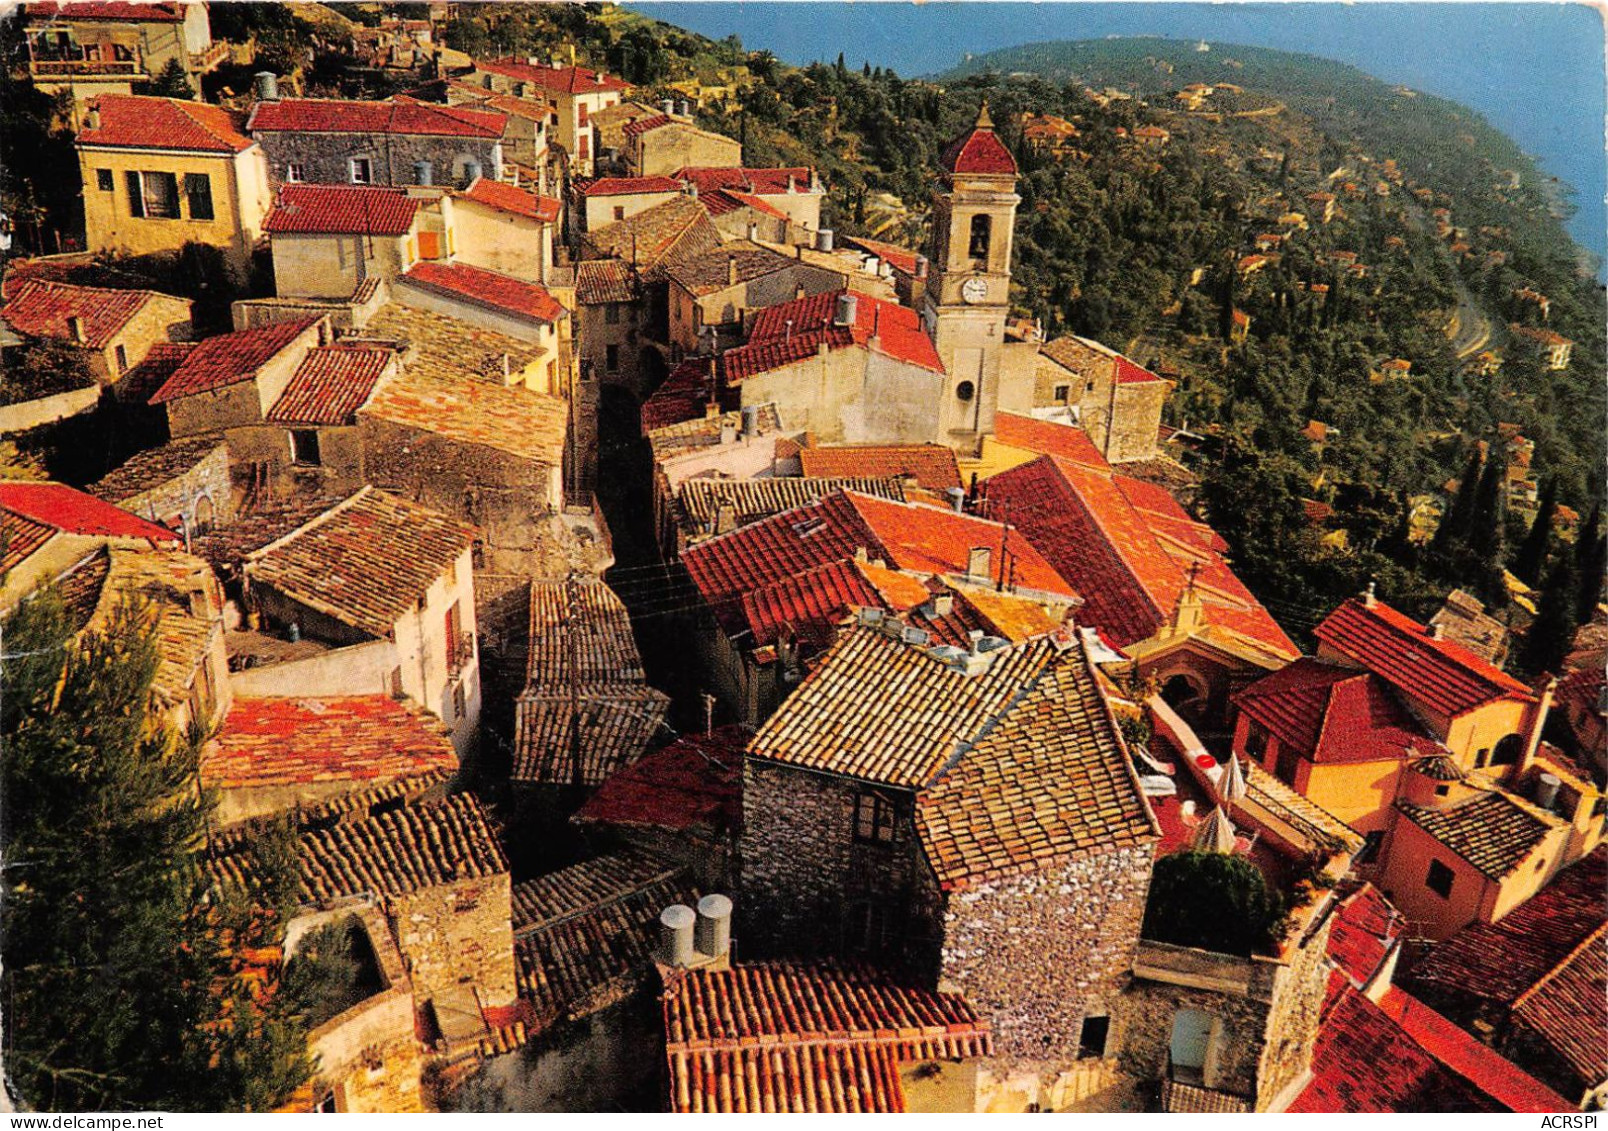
(362,171)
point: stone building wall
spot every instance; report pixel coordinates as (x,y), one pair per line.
(458,934)
(1137,420)
(1145,1031)
(325,158)
(1292,1025)
(1036,953)
(808,884)
(204,486)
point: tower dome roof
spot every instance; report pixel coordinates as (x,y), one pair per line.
(979,150)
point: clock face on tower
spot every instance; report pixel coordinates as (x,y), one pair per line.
(974,290)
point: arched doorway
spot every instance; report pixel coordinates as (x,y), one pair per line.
(1186,695)
(203,515)
(1507,751)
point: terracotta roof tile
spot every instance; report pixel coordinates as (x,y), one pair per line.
(1446,676)
(329,115)
(229,359)
(394,853)
(640,126)
(154,467)
(585,687)
(366,561)
(164,581)
(585,935)
(932,466)
(564,80)
(1049,781)
(880,710)
(1332,714)
(723,202)
(713,270)
(681,397)
(131,121)
(901,259)
(978,151)
(453,387)
(1567,1011)
(759,182)
(794,1038)
(792,331)
(355,738)
(142,381)
(1492,830)
(695,782)
(41,309)
(676,228)
(330,385)
(509,198)
(682,436)
(1500,962)
(604,280)
(58,507)
(20,538)
(630,186)
(1363,932)
(906,536)
(699,501)
(1364,1062)
(503,294)
(1047,437)
(1130,563)
(370,210)
(134,11)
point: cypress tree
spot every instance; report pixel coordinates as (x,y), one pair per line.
(115,977)
(1532,556)
(1593,565)
(1552,632)
(1456,522)
(1485,524)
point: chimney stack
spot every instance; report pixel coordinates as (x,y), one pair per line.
(957,499)
(848,309)
(978,563)
(92,118)
(267,84)
(731,269)
(750,421)
(676,935)
(75,328)
(712,932)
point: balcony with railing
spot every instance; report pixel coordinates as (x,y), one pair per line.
(204,61)
(46,61)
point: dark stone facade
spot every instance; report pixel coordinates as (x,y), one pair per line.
(325,158)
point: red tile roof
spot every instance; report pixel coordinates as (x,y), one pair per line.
(1500,962)
(1441,674)
(629,186)
(759,182)
(330,385)
(502,293)
(901,259)
(808,604)
(696,781)
(131,121)
(332,115)
(1362,934)
(20,538)
(791,1037)
(228,359)
(978,151)
(1488,1070)
(1329,713)
(681,396)
(286,741)
(72,511)
(368,210)
(1048,437)
(366,562)
(564,80)
(906,536)
(1365,1063)
(1130,374)
(1127,552)
(120,10)
(1567,1011)
(508,198)
(639,126)
(722,201)
(41,309)
(931,465)
(774,343)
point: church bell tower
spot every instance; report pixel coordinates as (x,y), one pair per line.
(968,291)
